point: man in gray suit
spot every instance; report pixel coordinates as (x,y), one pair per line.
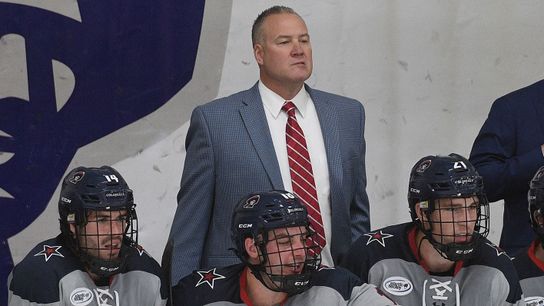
(237,145)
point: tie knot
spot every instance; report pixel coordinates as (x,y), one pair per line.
(289,107)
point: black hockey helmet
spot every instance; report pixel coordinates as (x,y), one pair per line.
(448,177)
(91,200)
(536,203)
(257,216)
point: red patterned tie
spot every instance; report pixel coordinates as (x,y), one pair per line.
(302,176)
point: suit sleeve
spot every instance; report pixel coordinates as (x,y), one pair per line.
(359,208)
(195,199)
(494,154)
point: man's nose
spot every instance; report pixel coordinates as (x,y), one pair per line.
(297,49)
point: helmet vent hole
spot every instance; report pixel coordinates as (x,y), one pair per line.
(440,186)
(90,198)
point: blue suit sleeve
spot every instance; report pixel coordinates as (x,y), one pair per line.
(496,157)
(359,207)
(195,199)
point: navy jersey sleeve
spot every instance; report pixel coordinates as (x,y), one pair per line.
(35,280)
(356,260)
(139,259)
(491,255)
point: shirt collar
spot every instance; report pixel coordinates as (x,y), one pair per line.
(273,102)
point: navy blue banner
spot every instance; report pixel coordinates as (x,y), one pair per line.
(128,59)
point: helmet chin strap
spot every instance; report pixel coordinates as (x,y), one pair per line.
(290,284)
(104,268)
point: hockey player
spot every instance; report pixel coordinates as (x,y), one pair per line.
(442,257)
(280,263)
(530,262)
(95,260)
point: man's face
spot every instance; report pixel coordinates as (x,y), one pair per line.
(103,235)
(454,219)
(286,249)
(284,52)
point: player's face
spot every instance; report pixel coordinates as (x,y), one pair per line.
(284,53)
(103,235)
(454,219)
(286,249)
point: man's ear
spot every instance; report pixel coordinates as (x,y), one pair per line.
(538,217)
(258,52)
(421,215)
(73,229)
(251,248)
(417,209)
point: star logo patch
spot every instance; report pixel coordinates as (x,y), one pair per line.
(378,236)
(497,249)
(49,251)
(208,277)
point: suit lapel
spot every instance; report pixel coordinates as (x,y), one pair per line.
(328,120)
(254,118)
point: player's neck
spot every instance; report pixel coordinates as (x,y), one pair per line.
(260,295)
(433,260)
(539,251)
(99,281)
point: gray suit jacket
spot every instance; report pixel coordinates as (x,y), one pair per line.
(230,154)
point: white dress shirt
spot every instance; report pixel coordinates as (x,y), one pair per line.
(309,122)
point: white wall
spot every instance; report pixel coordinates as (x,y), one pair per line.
(426,71)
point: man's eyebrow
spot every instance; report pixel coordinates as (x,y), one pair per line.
(305,35)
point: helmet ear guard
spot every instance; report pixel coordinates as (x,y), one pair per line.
(448,192)
(535,198)
(276,221)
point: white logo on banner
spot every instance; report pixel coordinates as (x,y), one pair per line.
(534,300)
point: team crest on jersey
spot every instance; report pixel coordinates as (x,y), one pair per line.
(49,251)
(534,300)
(398,285)
(498,250)
(378,236)
(81,296)
(208,277)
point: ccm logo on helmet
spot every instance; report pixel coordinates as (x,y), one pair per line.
(397,285)
(245,225)
(412,189)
